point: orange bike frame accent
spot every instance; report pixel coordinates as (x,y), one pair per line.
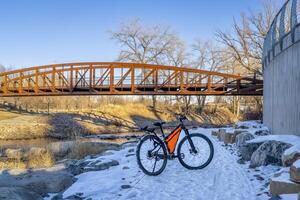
(172,139)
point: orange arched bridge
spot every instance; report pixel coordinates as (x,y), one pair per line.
(113,78)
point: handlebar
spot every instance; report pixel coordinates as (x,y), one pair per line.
(181,117)
(147,129)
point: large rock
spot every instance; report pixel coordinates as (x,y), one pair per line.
(82,166)
(18,193)
(246,150)
(239,131)
(270,152)
(230,137)
(291,155)
(215,133)
(43,181)
(295,172)
(282,185)
(242,126)
(221,135)
(262,132)
(242,138)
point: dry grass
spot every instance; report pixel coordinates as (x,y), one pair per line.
(135,109)
(31,159)
(8,115)
(107,118)
(82,149)
(45,159)
(12,164)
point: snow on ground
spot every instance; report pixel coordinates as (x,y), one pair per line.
(223,179)
(297,164)
(292,150)
(290,139)
(250,124)
(289,197)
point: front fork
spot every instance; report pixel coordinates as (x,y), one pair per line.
(186,131)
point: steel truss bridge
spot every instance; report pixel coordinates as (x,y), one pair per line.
(113,78)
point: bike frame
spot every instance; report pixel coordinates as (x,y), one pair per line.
(170,137)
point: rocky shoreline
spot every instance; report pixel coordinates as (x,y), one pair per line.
(35,184)
(272,159)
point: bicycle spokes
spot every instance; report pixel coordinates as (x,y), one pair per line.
(151,156)
(194,151)
(198,157)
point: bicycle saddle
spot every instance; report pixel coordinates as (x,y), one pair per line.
(159,123)
(148,129)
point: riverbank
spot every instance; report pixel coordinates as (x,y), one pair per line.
(37,153)
(109,119)
(34,140)
(114,174)
(34,184)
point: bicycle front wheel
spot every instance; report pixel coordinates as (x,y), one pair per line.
(201,157)
(151,155)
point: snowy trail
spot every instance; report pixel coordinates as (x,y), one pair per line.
(223,179)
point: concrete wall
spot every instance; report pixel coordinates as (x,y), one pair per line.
(282,90)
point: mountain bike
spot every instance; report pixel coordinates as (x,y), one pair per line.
(195,151)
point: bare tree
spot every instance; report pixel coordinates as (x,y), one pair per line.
(245,45)
(144,44)
(207,56)
(243,48)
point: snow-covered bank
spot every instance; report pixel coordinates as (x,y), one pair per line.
(223,179)
(228,177)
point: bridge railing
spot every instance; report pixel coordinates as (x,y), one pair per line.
(284,31)
(122,79)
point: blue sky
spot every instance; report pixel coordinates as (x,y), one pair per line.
(37,32)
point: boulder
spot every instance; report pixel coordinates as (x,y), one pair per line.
(242,127)
(295,172)
(52,180)
(215,133)
(82,166)
(270,152)
(262,132)
(282,185)
(230,138)
(14,153)
(291,155)
(18,193)
(239,131)
(221,135)
(246,150)
(242,138)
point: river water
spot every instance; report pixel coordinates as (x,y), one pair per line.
(73,148)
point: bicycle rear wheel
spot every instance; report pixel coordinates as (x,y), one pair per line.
(151,155)
(198,159)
